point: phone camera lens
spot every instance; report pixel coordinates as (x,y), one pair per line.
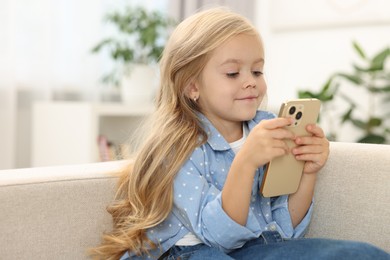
(298,115)
(291,111)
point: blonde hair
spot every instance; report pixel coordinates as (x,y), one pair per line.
(145,193)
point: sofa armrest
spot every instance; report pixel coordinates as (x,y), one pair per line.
(352,197)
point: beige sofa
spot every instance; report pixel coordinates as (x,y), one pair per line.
(59,212)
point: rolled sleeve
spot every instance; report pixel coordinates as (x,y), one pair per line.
(282,217)
(198,206)
(216,222)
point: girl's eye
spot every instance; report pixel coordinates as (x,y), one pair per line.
(257,73)
(232,75)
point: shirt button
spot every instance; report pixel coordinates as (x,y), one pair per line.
(272,227)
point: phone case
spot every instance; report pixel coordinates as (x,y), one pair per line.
(283,174)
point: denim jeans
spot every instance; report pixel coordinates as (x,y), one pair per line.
(270,245)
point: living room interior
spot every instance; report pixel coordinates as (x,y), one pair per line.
(63,127)
(46,56)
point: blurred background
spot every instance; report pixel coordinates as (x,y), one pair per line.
(335,50)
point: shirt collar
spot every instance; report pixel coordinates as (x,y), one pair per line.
(214,138)
(216,141)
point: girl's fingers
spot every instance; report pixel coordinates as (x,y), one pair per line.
(280,144)
(270,129)
(308,149)
(315,130)
(278,152)
(282,133)
(317,159)
(310,140)
(305,157)
(276,123)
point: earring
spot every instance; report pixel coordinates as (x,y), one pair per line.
(195,99)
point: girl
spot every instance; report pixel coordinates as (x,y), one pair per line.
(193,189)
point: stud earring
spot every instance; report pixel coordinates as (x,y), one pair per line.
(195,99)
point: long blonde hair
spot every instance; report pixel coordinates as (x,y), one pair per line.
(145,192)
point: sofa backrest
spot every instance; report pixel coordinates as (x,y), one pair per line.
(55,212)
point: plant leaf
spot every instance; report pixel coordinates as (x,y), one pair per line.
(374,122)
(360,69)
(307,94)
(102,44)
(347,115)
(350,101)
(378,61)
(325,94)
(379,89)
(359,50)
(373,139)
(359,123)
(352,78)
(142,35)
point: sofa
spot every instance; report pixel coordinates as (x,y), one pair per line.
(59,212)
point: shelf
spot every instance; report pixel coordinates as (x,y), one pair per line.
(67,132)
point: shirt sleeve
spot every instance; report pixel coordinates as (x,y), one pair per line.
(279,205)
(197,204)
(281,215)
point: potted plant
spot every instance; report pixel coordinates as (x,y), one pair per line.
(135,50)
(369,116)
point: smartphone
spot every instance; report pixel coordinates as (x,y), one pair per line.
(283,174)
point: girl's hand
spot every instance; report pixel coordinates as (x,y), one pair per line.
(266,141)
(312,149)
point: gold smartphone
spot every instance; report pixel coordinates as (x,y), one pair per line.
(283,174)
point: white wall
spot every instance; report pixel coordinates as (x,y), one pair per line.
(7,95)
(7,127)
(303,55)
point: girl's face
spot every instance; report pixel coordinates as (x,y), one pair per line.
(232,85)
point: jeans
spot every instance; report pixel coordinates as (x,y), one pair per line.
(270,245)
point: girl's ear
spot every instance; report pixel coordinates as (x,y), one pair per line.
(192,90)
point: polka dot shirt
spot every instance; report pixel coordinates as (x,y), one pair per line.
(197,201)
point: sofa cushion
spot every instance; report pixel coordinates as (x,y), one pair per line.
(352,198)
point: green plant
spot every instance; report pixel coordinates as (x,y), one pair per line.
(369,115)
(140,39)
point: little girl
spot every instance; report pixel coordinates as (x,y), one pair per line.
(192,191)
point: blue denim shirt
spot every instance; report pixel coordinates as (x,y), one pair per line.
(197,201)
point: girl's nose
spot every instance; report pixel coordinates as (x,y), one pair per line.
(250,82)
